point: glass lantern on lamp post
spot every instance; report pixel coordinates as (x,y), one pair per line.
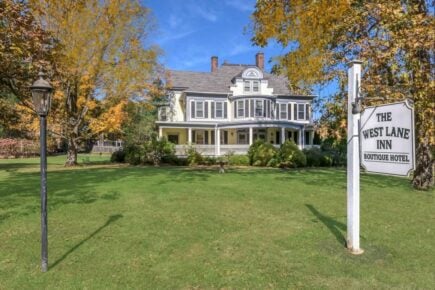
(41,97)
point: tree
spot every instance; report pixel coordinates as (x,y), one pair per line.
(104,63)
(391,37)
(25,49)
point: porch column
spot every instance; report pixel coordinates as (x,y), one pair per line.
(311,137)
(218,142)
(189,136)
(282,135)
(301,135)
(160,132)
(251,136)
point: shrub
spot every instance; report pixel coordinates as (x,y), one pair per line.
(133,154)
(260,153)
(155,149)
(242,160)
(208,160)
(193,156)
(314,157)
(118,156)
(289,155)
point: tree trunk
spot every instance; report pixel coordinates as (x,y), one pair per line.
(71,156)
(423,174)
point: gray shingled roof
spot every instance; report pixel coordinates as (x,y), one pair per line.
(221,80)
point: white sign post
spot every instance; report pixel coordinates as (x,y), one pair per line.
(387,139)
(353,162)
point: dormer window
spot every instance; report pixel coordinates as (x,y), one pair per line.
(251,86)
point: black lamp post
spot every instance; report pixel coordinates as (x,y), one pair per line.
(41,96)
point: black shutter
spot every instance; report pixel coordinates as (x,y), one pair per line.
(267,109)
(206,137)
(225,110)
(235,109)
(193,136)
(252,107)
(289,111)
(278,115)
(295,111)
(307,112)
(212,110)
(264,108)
(225,137)
(246,108)
(295,136)
(192,109)
(213,133)
(206,110)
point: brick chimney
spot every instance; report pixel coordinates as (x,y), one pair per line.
(259,60)
(214,63)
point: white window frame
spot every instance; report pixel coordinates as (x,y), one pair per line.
(260,101)
(299,111)
(281,105)
(247,89)
(221,110)
(202,110)
(253,86)
(241,109)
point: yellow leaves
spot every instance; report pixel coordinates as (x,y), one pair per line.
(110,121)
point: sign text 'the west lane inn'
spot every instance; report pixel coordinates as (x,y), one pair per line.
(387,139)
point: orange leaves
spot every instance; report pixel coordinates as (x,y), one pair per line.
(110,121)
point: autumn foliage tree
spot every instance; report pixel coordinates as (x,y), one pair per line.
(103,62)
(25,48)
(392,38)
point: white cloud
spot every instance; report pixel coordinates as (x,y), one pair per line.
(204,13)
(171,36)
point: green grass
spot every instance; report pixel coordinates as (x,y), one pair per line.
(113,226)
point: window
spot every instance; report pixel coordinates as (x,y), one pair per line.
(301,111)
(200,138)
(258,108)
(240,109)
(259,134)
(307,138)
(199,110)
(283,111)
(247,86)
(242,137)
(163,114)
(307,111)
(173,138)
(251,86)
(219,110)
(255,86)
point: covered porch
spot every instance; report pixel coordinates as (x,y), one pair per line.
(220,140)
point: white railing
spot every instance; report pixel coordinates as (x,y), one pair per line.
(210,150)
(234,148)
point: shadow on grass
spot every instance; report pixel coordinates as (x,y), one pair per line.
(112,218)
(333,225)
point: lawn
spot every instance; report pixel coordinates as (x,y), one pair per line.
(118,226)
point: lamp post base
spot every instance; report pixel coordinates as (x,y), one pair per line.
(44,267)
(356,252)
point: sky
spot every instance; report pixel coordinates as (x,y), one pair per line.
(191,31)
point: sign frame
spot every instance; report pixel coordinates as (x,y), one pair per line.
(408,104)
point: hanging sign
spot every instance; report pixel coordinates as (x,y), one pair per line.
(387,139)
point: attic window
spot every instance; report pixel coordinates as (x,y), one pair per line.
(252,73)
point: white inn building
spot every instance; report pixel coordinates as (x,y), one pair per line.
(227,109)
